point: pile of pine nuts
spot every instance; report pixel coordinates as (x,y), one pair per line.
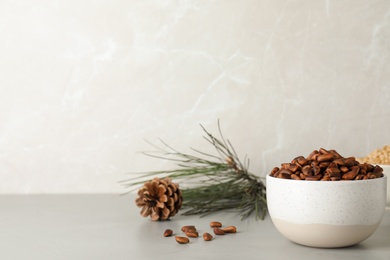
(191,232)
(378,156)
(324,165)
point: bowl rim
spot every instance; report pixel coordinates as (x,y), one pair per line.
(340,182)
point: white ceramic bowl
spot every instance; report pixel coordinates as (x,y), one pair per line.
(326,214)
(386,171)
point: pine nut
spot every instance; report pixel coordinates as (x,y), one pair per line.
(182,240)
(168,233)
(230,229)
(207,236)
(188,229)
(219,231)
(192,234)
(215,224)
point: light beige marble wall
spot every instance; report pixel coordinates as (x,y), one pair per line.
(83,83)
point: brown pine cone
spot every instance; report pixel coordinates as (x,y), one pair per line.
(159,198)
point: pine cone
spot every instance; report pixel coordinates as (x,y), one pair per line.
(159,198)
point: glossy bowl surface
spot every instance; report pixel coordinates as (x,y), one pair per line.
(326,214)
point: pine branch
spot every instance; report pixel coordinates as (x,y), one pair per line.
(220,182)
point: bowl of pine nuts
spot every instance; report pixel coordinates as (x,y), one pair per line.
(325,200)
(386,172)
(380,156)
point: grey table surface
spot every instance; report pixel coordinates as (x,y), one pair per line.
(110,227)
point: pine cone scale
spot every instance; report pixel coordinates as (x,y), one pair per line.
(170,202)
(145,211)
